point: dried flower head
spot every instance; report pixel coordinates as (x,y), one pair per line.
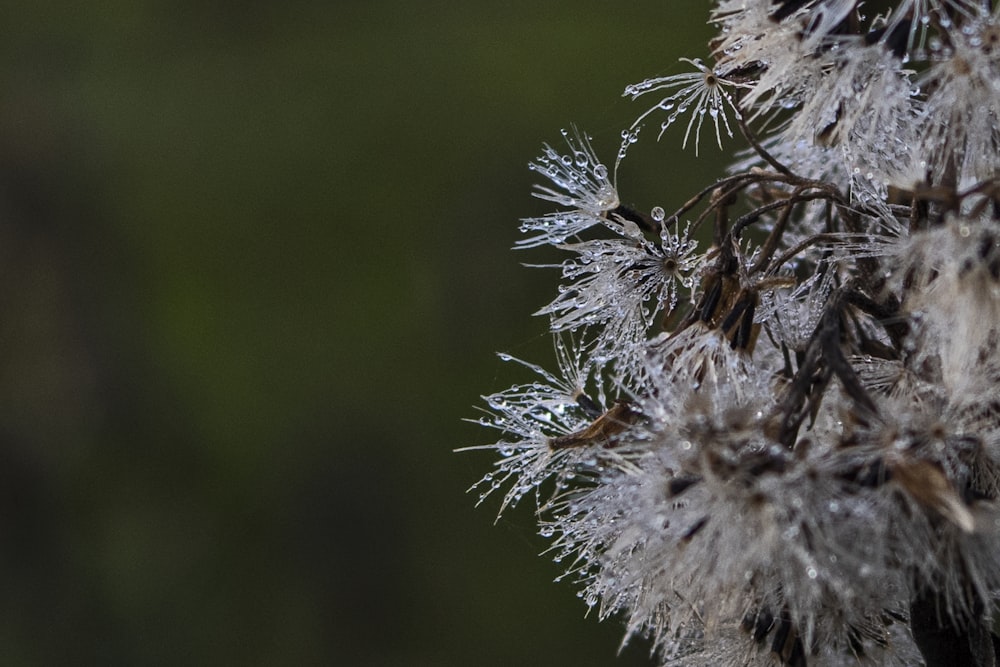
(702,92)
(584,190)
(776,439)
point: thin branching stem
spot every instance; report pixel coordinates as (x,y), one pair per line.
(759,149)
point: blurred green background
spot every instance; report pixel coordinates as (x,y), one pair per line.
(255,265)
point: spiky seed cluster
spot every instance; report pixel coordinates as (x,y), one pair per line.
(782,445)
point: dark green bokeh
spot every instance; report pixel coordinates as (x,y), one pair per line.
(255,264)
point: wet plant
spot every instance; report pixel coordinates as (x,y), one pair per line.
(772,435)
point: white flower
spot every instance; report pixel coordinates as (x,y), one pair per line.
(623,284)
(799,463)
(535,415)
(960,124)
(702,92)
(583,185)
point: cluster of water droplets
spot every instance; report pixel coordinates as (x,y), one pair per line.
(701,92)
(583,182)
(677,497)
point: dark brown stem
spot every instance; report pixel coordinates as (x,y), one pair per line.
(754,215)
(760,150)
(771,244)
